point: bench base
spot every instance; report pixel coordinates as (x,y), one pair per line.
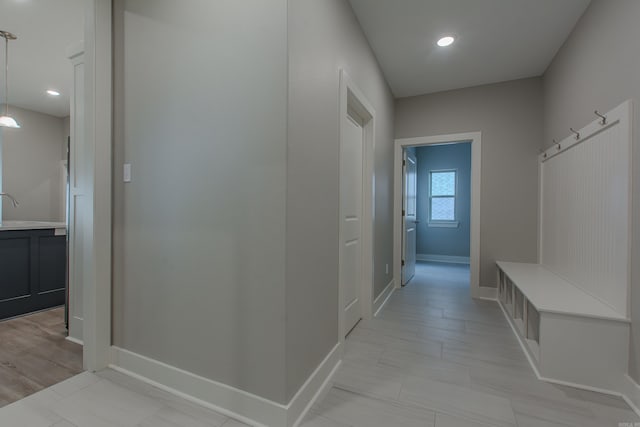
(566,348)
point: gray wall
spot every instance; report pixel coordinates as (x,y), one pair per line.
(324,37)
(450,241)
(598,68)
(510,117)
(199,234)
(31,169)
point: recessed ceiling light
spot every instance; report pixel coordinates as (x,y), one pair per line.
(446,41)
(53,92)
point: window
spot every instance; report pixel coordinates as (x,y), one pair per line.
(442,198)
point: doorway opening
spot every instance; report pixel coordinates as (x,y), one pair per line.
(94,119)
(35,349)
(443,221)
(437,205)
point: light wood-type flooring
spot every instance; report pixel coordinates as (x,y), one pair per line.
(434,357)
(34,354)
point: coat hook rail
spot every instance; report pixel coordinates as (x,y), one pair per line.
(576,132)
(604,118)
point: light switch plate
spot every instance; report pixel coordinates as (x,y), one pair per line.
(127,172)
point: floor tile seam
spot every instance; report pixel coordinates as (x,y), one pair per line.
(394,402)
(326,417)
(480,422)
(591,415)
(546,420)
(463,414)
(577,410)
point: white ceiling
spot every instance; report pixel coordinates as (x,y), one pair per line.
(497,40)
(38,58)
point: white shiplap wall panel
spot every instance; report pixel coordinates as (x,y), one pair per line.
(585,213)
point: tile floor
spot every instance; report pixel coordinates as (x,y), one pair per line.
(434,357)
(108,399)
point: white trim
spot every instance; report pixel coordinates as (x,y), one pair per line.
(220,397)
(382,299)
(76,49)
(78,187)
(628,386)
(98,99)
(443,224)
(241,405)
(451,259)
(631,393)
(315,388)
(74,340)
(581,386)
(540,200)
(476,173)
(486,293)
(353,99)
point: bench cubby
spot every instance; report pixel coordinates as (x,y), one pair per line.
(569,336)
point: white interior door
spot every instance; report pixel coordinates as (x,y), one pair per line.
(351,170)
(409,218)
(78,208)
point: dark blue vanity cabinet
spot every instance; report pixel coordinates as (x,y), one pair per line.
(32,271)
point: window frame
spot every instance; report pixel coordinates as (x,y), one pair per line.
(446,223)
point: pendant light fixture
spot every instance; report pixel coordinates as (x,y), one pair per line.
(6,120)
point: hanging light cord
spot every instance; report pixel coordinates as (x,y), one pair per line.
(6,74)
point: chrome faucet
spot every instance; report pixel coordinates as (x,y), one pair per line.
(14,202)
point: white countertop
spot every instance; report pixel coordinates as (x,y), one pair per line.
(33,225)
(551,293)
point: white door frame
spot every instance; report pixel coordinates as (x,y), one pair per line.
(476,165)
(97,269)
(352,98)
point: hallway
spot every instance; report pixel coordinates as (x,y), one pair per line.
(435,356)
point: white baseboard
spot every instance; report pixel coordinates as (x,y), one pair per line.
(314,389)
(241,405)
(382,299)
(74,340)
(629,389)
(75,329)
(631,393)
(443,258)
(484,292)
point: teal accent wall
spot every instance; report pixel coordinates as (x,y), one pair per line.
(441,240)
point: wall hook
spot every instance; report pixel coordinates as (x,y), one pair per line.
(604,118)
(576,132)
